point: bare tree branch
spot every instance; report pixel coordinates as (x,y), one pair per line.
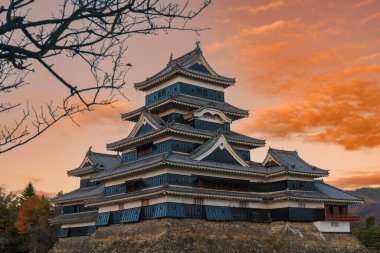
(92,31)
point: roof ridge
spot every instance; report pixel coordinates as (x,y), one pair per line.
(284,151)
(196,49)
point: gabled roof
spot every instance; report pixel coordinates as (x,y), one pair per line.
(189,131)
(334,192)
(193,65)
(147,118)
(191,102)
(74,218)
(80,194)
(210,108)
(290,160)
(182,160)
(95,162)
(219,141)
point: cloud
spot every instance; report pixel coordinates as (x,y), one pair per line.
(103,115)
(31,179)
(261,8)
(263,28)
(346,114)
(362,3)
(371,17)
(319,74)
(356,181)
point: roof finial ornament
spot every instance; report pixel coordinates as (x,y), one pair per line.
(171,57)
(90,148)
(197,43)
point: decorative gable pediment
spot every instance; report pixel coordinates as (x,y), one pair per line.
(86,162)
(201,65)
(212,115)
(144,124)
(270,161)
(209,114)
(217,144)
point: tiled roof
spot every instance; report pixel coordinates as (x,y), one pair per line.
(154,119)
(292,161)
(176,190)
(74,218)
(187,130)
(80,194)
(99,161)
(194,102)
(335,193)
(184,160)
(182,65)
(218,194)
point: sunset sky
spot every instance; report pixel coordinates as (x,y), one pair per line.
(308,71)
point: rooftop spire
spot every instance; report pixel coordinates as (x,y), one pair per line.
(171,57)
(197,43)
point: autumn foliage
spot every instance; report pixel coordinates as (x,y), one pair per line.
(33,212)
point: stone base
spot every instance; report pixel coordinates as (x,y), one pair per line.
(187,235)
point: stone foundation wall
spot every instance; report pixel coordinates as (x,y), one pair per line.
(190,235)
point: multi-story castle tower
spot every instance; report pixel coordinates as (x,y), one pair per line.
(182,160)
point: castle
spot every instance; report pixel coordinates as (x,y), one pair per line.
(181,160)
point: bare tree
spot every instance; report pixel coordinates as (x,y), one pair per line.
(94,31)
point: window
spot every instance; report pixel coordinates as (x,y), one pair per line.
(335,223)
(199,201)
(302,205)
(145,149)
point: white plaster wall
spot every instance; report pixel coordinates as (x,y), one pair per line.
(282,204)
(109,208)
(220,202)
(326,226)
(289,177)
(82,224)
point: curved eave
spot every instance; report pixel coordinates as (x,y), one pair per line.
(134,116)
(74,200)
(74,218)
(319,200)
(145,85)
(165,190)
(84,173)
(299,173)
(247,172)
(115,146)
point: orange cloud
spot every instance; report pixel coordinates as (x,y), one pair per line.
(371,17)
(356,181)
(103,115)
(261,8)
(346,114)
(362,3)
(263,29)
(320,73)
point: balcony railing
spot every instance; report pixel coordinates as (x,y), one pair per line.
(342,217)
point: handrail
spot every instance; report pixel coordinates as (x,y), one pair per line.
(342,217)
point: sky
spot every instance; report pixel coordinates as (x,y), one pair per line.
(308,72)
